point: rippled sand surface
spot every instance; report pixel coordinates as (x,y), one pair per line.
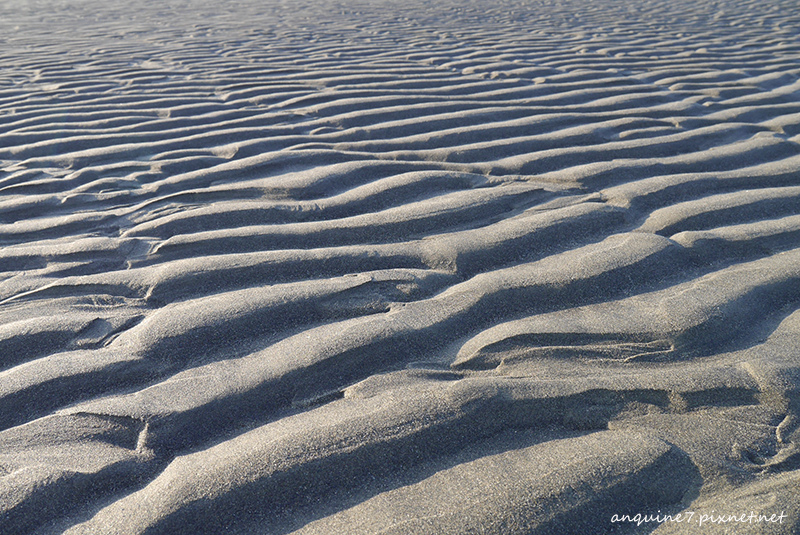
(508,267)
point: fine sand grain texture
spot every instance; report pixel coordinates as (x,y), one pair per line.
(369,267)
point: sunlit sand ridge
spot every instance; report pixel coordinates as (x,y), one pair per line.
(431,267)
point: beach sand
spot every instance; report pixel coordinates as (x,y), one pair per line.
(508,267)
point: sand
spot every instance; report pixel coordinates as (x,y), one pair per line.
(509,267)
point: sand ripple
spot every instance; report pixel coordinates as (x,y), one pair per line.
(359,267)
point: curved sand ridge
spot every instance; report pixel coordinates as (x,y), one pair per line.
(500,267)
